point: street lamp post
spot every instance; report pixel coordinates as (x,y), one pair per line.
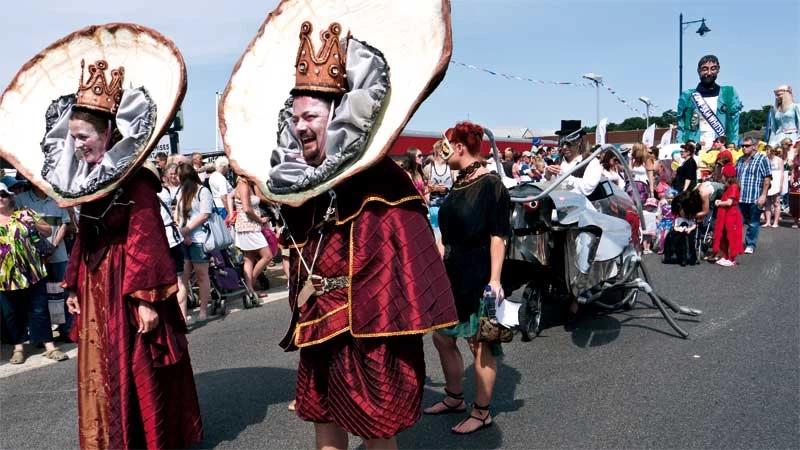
(701,31)
(647,104)
(597,79)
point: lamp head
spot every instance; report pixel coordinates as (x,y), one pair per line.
(703,28)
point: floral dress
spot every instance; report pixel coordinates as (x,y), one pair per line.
(20,264)
(665,224)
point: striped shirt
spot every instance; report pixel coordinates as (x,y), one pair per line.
(751,173)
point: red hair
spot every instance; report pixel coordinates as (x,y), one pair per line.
(467,133)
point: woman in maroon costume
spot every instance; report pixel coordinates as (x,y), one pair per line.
(135,383)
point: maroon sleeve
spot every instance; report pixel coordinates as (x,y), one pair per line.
(70,281)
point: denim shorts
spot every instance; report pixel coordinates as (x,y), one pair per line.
(195,253)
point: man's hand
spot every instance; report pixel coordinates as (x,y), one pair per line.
(148,317)
(761,200)
(72,303)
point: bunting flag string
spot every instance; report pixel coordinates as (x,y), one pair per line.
(610,90)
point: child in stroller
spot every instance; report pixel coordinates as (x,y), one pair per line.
(679,245)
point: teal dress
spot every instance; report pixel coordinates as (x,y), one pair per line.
(785,125)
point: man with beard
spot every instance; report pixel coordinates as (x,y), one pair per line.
(366,278)
(710,110)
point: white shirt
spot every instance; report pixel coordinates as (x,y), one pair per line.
(219,188)
(591,176)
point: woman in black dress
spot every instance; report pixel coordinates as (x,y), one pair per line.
(474,221)
(686,176)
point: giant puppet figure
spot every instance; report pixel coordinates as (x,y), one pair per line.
(785,117)
(79,120)
(709,110)
(367,280)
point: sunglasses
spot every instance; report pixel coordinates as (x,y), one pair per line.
(4,194)
(748,145)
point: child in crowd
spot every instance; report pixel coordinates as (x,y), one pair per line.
(728,226)
(650,225)
(538,169)
(679,244)
(665,218)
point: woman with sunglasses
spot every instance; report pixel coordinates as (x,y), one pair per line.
(23,299)
(413,167)
(474,225)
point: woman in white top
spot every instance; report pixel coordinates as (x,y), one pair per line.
(583,181)
(610,164)
(642,169)
(194,207)
(167,200)
(248,236)
(775,187)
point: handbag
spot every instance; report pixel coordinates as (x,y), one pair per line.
(41,244)
(217,235)
(272,239)
(489,329)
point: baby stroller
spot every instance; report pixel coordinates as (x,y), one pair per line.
(704,240)
(226,283)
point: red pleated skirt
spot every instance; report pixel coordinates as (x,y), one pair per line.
(371,387)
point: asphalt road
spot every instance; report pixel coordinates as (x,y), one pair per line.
(622,380)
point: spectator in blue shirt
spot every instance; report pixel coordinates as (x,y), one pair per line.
(754,175)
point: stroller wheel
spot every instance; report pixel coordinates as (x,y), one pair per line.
(214,302)
(530,314)
(247,300)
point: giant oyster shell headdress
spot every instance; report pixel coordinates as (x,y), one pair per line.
(408,43)
(37,103)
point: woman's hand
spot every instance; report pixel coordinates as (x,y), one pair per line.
(717,202)
(72,303)
(496,287)
(187,240)
(148,317)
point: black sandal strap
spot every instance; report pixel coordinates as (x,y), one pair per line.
(480,408)
(454,396)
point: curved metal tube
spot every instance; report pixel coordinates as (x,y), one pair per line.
(607,147)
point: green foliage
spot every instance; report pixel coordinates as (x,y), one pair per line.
(755,119)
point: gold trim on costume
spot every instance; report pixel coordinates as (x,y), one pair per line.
(350,306)
(319,341)
(155,294)
(374,199)
(328,314)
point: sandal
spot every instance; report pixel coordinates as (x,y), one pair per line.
(56,355)
(292,405)
(459,407)
(18,357)
(483,422)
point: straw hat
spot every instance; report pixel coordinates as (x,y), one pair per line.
(152,65)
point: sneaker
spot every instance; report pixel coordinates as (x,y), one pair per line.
(749,251)
(725,263)
(648,252)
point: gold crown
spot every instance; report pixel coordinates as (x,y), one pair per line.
(97,93)
(325,70)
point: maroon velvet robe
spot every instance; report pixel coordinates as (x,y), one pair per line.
(134,390)
(381,240)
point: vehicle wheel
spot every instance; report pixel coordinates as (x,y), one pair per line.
(530,313)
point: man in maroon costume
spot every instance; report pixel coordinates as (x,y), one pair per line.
(366,280)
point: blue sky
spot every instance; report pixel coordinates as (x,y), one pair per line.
(633,44)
